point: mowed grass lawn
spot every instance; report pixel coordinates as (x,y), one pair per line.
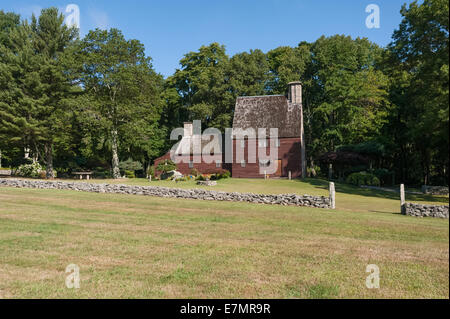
(146,247)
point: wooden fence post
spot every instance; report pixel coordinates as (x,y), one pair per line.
(332,196)
(402,199)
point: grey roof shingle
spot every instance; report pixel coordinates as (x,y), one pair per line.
(271,111)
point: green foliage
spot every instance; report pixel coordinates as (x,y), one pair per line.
(385,176)
(194,172)
(36,83)
(122,92)
(166,166)
(129,174)
(220,174)
(29,170)
(151,171)
(363,178)
(200,177)
(417,62)
(130,165)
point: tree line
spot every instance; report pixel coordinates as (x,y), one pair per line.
(95,102)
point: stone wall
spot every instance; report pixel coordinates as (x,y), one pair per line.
(423,210)
(435,190)
(201,194)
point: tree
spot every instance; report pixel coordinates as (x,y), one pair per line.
(36,83)
(123,91)
(248,73)
(417,60)
(287,64)
(351,94)
(8,22)
(202,86)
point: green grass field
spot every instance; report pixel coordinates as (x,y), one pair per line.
(145,247)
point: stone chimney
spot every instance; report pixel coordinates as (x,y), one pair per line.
(295,92)
(188,129)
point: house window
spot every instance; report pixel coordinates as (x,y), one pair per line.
(218,164)
(243,163)
(191,164)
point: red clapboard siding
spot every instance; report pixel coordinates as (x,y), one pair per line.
(288,152)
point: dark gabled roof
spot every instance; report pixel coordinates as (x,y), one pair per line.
(271,111)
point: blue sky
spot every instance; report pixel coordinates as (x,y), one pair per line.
(170,28)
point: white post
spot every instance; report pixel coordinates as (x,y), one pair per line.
(332,196)
(149,178)
(290,176)
(402,199)
(265,174)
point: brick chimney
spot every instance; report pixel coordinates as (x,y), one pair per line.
(295,97)
(295,92)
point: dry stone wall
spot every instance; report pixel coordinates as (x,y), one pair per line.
(423,210)
(200,194)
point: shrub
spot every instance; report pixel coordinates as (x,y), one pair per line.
(194,172)
(166,166)
(220,174)
(130,165)
(200,178)
(129,174)
(384,175)
(363,178)
(151,171)
(101,172)
(30,170)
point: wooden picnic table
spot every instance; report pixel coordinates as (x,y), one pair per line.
(82,174)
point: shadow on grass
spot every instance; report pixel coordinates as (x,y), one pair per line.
(354,190)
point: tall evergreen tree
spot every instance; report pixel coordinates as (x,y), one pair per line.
(38,84)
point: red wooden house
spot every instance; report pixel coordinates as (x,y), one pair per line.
(272,111)
(253,112)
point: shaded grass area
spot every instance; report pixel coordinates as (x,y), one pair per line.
(144,247)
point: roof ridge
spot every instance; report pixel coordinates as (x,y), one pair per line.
(278,95)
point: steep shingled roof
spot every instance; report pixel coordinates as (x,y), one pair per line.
(271,111)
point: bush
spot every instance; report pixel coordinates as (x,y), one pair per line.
(130,165)
(129,174)
(220,174)
(101,172)
(30,170)
(200,178)
(384,176)
(363,178)
(166,166)
(194,172)
(151,171)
